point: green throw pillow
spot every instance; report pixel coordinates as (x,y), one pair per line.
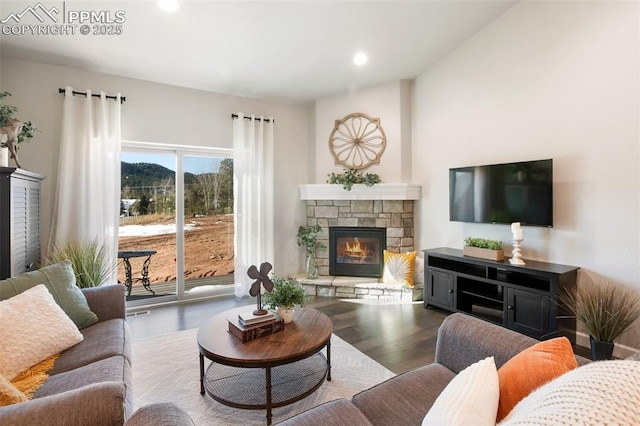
(61,283)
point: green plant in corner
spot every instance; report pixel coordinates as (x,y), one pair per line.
(308,237)
(88,259)
(286,292)
(483,243)
(350,177)
(606,309)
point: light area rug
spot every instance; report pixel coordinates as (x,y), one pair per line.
(166,369)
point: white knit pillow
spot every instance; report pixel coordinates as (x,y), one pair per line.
(471,398)
(600,393)
(32,328)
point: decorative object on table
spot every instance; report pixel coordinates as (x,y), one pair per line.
(286,294)
(357,141)
(250,332)
(483,248)
(308,237)
(516,258)
(606,309)
(351,176)
(12,132)
(261,278)
(88,260)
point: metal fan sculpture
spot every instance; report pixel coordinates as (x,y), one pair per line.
(261,278)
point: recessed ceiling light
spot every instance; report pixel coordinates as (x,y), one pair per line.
(169,5)
(360,59)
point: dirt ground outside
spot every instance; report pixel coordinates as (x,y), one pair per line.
(208,249)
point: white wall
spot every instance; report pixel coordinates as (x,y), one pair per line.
(163,114)
(546,80)
(391,103)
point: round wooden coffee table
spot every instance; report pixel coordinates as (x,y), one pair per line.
(268,372)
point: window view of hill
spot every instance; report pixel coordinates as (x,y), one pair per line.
(148,222)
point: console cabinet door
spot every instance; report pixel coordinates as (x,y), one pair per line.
(528,312)
(439,289)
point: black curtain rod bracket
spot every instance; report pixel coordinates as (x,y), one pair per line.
(266,120)
(95,95)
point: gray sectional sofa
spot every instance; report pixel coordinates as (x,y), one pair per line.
(90,383)
(406,398)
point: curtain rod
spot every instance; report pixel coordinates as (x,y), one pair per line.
(95,95)
(266,120)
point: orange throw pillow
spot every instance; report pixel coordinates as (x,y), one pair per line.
(531,369)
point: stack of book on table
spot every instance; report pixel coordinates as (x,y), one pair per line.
(248,327)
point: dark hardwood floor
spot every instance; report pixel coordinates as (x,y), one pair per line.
(398,336)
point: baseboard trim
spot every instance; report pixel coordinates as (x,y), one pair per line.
(619,350)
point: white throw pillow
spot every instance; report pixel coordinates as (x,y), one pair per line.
(32,328)
(604,393)
(471,398)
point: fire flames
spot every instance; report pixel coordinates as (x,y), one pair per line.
(357,250)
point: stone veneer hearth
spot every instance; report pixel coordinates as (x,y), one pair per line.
(385,205)
(394,215)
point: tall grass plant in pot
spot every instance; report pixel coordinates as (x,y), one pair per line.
(88,259)
(606,309)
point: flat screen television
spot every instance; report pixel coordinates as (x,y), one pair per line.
(503,193)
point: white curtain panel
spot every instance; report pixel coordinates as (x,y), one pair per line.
(87,197)
(253,193)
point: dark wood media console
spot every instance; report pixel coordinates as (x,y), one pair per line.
(522,298)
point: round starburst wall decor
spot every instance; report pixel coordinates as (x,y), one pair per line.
(357,141)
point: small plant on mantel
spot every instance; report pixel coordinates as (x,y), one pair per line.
(483,248)
(350,177)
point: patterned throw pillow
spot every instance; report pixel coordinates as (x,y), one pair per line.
(398,268)
(33,328)
(599,393)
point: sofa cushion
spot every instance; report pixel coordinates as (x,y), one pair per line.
(532,368)
(393,402)
(33,328)
(102,340)
(470,398)
(61,283)
(99,404)
(398,268)
(605,392)
(339,412)
(114,369)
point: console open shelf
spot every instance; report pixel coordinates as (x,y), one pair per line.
(523,298)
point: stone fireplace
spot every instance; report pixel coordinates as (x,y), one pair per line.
(388,206)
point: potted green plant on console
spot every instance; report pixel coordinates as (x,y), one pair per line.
(483,248)
(286,294)
(606,309)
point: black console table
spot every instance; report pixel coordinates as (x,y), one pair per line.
(522,298)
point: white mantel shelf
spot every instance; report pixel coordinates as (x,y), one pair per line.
(379,191)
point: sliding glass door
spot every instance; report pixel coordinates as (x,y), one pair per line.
(176,223)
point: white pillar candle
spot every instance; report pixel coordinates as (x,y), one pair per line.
(517,234)
(514,226)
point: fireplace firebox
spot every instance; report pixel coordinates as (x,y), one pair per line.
(357,251)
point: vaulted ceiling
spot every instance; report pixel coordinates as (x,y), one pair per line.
(280,50)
